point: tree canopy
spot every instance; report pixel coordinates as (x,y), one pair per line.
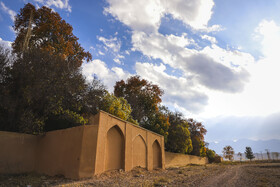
(117,106)
(197,132)
(228,152)
(144,97)
(179,139)
(249,153)
(39,88)
(45,29)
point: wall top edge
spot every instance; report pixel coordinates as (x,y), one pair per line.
(101,111)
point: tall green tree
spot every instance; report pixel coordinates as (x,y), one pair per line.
(211,154)
(44,29)
(117,106)
(179,139)
(197,131)
(42,89)
(249,153)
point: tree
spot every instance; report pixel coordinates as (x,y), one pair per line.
(45,29)
(197,131)
(93,97)
(143,97)
(6,60)
(268,154)
(117,106)
(240,155)
(211,154)
(249,153)
(41,90)
(228,152)
(178,140)
(158,123)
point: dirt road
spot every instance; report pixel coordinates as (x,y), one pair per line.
(265,174)
(244,175)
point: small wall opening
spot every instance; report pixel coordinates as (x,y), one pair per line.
(114,149)
(156,155)
(139,152)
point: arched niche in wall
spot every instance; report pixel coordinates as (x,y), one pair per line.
(115,149)
(139,152)
(156,155)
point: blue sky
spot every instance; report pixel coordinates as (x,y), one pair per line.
(216,60)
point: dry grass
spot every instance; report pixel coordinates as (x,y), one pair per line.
(251,174)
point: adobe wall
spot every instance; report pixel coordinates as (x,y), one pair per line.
(58,152)
(106,143)
(17,152)
(177,159)
(122,145)
(88,148)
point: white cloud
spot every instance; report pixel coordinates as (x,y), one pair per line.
(195,13)
(112,43)
(230,58)
(8,11)
(141,15)
(220,71)
(210,68)
(105,74)
(177,90)
(117,60)
(61,4)
(209,38)
(158,46)
(261,94)
(6,44)
(101,53)
(146,15)
(269,34)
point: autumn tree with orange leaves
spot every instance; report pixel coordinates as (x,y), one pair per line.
(45,29)
(144,99)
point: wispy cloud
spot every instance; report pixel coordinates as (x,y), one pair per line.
(8,11)
(112,43)
(61,4)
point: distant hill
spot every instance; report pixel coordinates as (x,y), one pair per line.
(239,145)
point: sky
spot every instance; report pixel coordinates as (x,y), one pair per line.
(217,61)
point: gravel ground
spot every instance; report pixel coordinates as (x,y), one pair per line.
(249,174)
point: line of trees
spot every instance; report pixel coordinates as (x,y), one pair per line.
(42,88)
(228,153)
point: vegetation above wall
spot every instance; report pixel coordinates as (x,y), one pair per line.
(42,87)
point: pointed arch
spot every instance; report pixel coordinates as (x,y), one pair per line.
(115,149)
(157,162)
(139,152)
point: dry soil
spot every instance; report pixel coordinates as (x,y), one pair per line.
(236,174)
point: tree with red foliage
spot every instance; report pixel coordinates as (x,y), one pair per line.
(44,29)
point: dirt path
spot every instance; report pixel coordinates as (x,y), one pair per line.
(229,177)
(265,174)
(244,175)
